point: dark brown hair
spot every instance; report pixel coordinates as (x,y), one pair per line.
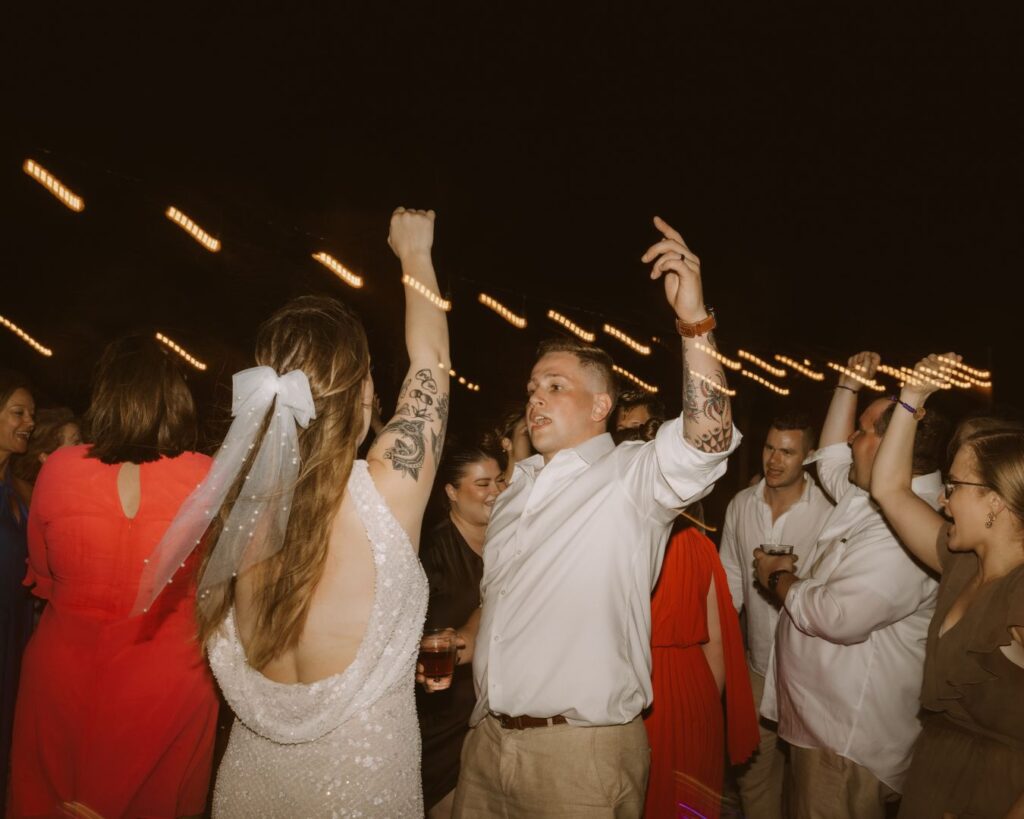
(141,407)
(590,358)
(46,438)
(796,420)
(929,442)
(324,339)
(10,383)
(631,399)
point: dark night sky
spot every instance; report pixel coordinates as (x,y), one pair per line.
(850,175)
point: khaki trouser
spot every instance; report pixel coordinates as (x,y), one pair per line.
(829,786)
(557,771)
(760,780)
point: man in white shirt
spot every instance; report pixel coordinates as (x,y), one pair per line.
(562,656)
(849,650)
(787,508)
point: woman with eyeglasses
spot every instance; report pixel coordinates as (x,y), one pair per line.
(969,758)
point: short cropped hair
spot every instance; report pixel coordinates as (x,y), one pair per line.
(590,358)
(796,420)
(631,399)
(141,407)
(929,442)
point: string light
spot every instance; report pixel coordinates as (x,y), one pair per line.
(764,382)
(899,374)
(925,375)
(190,227)
(711,351)
(53,185)
(803,369)
(195,362)
(338,269)
(713,384)
(503,311)
(778,372)
(426,292)
(867,382)
(31,342)
(638,381)
(961,366)
(629,341)
(469,385)
(571,326)
(954,377)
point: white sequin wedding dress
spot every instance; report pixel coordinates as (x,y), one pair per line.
(348,745)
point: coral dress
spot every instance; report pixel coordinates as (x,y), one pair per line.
(685,725)
(117,714)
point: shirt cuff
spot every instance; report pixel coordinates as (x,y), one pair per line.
(688,470)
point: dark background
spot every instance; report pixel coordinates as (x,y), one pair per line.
(849,174)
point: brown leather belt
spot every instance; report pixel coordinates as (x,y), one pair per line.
(519,723)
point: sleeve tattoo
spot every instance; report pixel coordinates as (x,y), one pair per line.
(419,407)
(705,402)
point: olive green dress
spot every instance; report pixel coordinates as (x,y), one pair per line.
(969,759)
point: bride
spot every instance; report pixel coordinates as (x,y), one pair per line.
(311,603)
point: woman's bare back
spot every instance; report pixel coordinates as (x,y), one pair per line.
(339,611)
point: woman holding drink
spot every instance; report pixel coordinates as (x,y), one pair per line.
(452,557)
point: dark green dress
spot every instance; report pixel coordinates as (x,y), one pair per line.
(969,759)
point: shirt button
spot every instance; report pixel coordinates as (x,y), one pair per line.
(497,638)
(504,592)
(518,552)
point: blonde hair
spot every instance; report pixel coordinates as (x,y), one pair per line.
(326,340)
(999,454)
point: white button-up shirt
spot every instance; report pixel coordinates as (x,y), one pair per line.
(849,650)
(748,524)
(572,552)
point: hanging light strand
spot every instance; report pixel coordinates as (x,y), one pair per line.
(635,379)
(803,369)
(963,367)
(426,292)
(338,269)
(188,357)
(711,351)
(764,382)
(31,342)
(191,228)
(778,372)
(571,326)
(628,340)
(502,310)
(68,198)
(461,379)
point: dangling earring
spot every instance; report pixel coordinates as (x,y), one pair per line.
(991,520)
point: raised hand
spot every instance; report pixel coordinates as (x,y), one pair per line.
(864,364)
(680,268)
(412,232)
(929,378)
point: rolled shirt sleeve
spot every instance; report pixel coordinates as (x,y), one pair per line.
(834,469)
(672,473)
(729,553)
(874,585)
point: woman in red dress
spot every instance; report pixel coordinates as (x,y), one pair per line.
(697,650)
(116,714)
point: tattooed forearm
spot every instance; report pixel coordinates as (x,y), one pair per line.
(437,440)
(408,450)
(707,413)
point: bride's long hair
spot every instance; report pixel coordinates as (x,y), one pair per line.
(326,340)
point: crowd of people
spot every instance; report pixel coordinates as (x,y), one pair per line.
(853,647)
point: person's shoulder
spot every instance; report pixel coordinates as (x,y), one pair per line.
(187,463)
(745,495)
(71,458)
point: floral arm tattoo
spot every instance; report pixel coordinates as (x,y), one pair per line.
(421,406)
(706,408)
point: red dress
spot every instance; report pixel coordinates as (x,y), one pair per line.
(685,725)
(115,713)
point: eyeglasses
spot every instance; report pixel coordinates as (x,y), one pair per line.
(950,485)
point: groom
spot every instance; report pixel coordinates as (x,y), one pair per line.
(561,650)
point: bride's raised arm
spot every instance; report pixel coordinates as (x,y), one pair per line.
(404,457)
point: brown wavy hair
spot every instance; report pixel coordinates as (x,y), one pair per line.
(141,406)
(326,340)
(46,438)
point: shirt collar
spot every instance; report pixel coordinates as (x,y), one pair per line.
(805,495)
(591,450)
